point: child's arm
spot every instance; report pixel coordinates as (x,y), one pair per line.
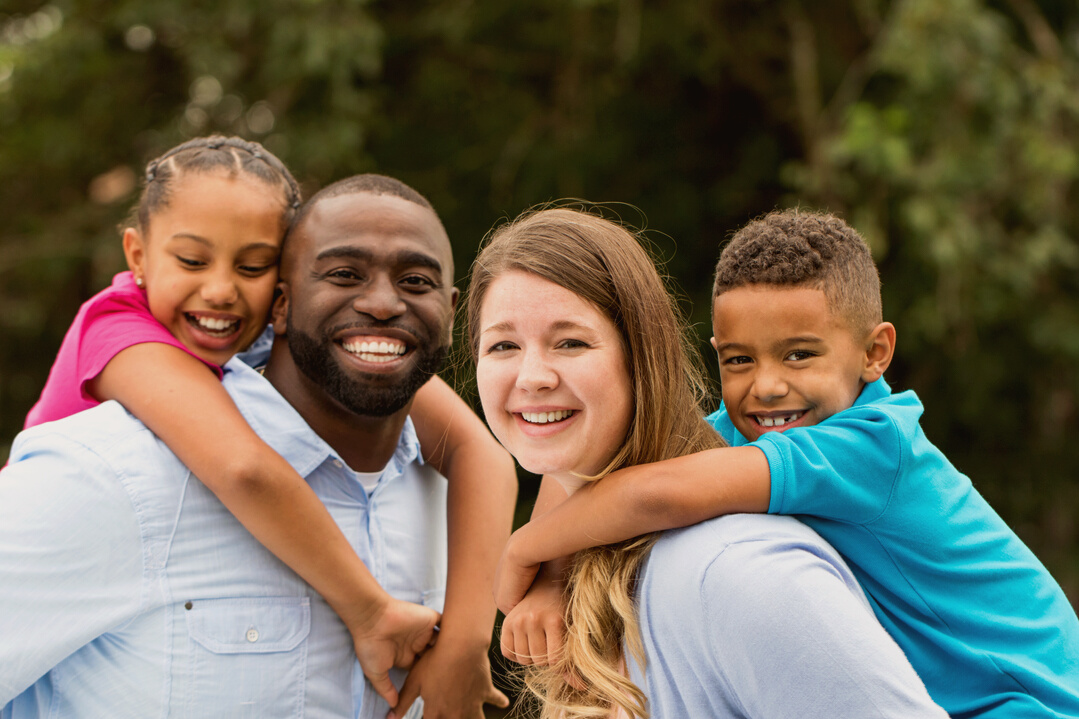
(177,398)
(633,501)
(454,676)
(534,630)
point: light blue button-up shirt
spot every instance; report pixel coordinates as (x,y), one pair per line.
(128,590)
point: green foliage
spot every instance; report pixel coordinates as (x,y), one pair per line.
(942,129)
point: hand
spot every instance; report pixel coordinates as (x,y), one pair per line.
(454,681)
(512,578)
(534,630)
(392,637)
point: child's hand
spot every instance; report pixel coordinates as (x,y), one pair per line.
(393,637)
(454,679)
(512,578)
(533,630)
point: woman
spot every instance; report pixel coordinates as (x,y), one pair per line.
(583,368)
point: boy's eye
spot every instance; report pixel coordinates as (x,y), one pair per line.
(800,355)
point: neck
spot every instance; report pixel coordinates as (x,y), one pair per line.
(365,443)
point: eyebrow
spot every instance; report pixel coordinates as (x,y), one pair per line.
(410,258)
(203,241)
(799,340)
(557,326)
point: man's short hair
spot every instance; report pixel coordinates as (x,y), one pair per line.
(369,183)
(794,248)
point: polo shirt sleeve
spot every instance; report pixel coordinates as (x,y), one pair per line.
(844,468)
(114,323)
(789,637)
(71,559)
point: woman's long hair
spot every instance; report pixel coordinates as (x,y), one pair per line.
(605,264)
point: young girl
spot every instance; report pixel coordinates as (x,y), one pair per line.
(203,267)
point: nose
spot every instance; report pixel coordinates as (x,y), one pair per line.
(380,299)
(535,373)
(769,384)
(219,290)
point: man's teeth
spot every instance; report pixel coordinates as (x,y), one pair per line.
(545,417)
(778,421)
(375,351)
(214,324)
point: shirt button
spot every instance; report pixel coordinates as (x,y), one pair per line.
(337,463)
(252,635)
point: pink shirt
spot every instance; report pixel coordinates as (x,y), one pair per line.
(112,320)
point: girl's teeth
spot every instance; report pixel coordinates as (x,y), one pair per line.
(545,417)
(215,325)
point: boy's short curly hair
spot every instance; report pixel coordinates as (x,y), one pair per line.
(805,249)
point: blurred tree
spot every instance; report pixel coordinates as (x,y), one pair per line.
(943,129)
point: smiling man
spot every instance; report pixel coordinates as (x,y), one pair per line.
(128,590)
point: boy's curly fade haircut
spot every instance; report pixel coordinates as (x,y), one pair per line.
(805,249)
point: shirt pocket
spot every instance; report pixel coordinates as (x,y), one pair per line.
(249,657)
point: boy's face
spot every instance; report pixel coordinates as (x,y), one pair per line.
(785,360)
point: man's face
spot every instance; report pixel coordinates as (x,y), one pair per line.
(369,300)
(785,359)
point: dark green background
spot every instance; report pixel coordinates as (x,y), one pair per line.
(944,130)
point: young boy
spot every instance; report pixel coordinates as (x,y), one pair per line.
(816,431)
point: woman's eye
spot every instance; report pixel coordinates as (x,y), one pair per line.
(501,347)
(572,344)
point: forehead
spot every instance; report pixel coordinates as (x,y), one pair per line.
(522,301)
(761,310)
(378,224)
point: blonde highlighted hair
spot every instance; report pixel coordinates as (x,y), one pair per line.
(604,263)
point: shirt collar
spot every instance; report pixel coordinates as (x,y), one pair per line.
(282,427)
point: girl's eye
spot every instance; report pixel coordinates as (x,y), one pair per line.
(255,270)
(190,262)
(737,360)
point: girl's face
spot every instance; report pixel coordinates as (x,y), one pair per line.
(553,377)
(209,262)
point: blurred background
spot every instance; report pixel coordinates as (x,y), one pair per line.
(944,130)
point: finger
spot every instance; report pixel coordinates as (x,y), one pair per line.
(522,648)
(508,644)
(409,692)
(497,698)
(555,637)
(384,687)
(537,646)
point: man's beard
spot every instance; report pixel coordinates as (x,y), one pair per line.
(315,360)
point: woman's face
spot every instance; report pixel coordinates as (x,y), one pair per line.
(553,377)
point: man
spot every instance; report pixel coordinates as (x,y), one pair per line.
(127,589)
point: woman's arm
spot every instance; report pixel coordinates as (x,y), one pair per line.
(174,395)
(454,676)
(634,501)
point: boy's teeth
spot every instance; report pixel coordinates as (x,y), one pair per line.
(545,417)
(778,421)
(375,351)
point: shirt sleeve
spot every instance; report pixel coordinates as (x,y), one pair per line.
(844,468)
(791,638)
(112,325)
(71,559)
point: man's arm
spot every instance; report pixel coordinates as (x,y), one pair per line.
(634,501)
(454,677)
(71,557)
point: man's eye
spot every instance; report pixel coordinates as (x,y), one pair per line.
(417,282)
(344,274)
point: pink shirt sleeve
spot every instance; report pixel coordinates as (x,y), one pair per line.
(114,319)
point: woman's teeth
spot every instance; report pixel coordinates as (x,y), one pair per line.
(778,421)
(375,351)
(546,417)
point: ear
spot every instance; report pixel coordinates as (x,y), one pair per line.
(135,252)
(279,311)
(713,341)
(880,345)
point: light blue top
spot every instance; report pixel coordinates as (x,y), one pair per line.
(128,590)
(756,616)
(982,621)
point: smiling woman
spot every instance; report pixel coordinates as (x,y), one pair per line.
(583,368)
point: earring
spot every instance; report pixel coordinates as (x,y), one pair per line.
(138,282)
